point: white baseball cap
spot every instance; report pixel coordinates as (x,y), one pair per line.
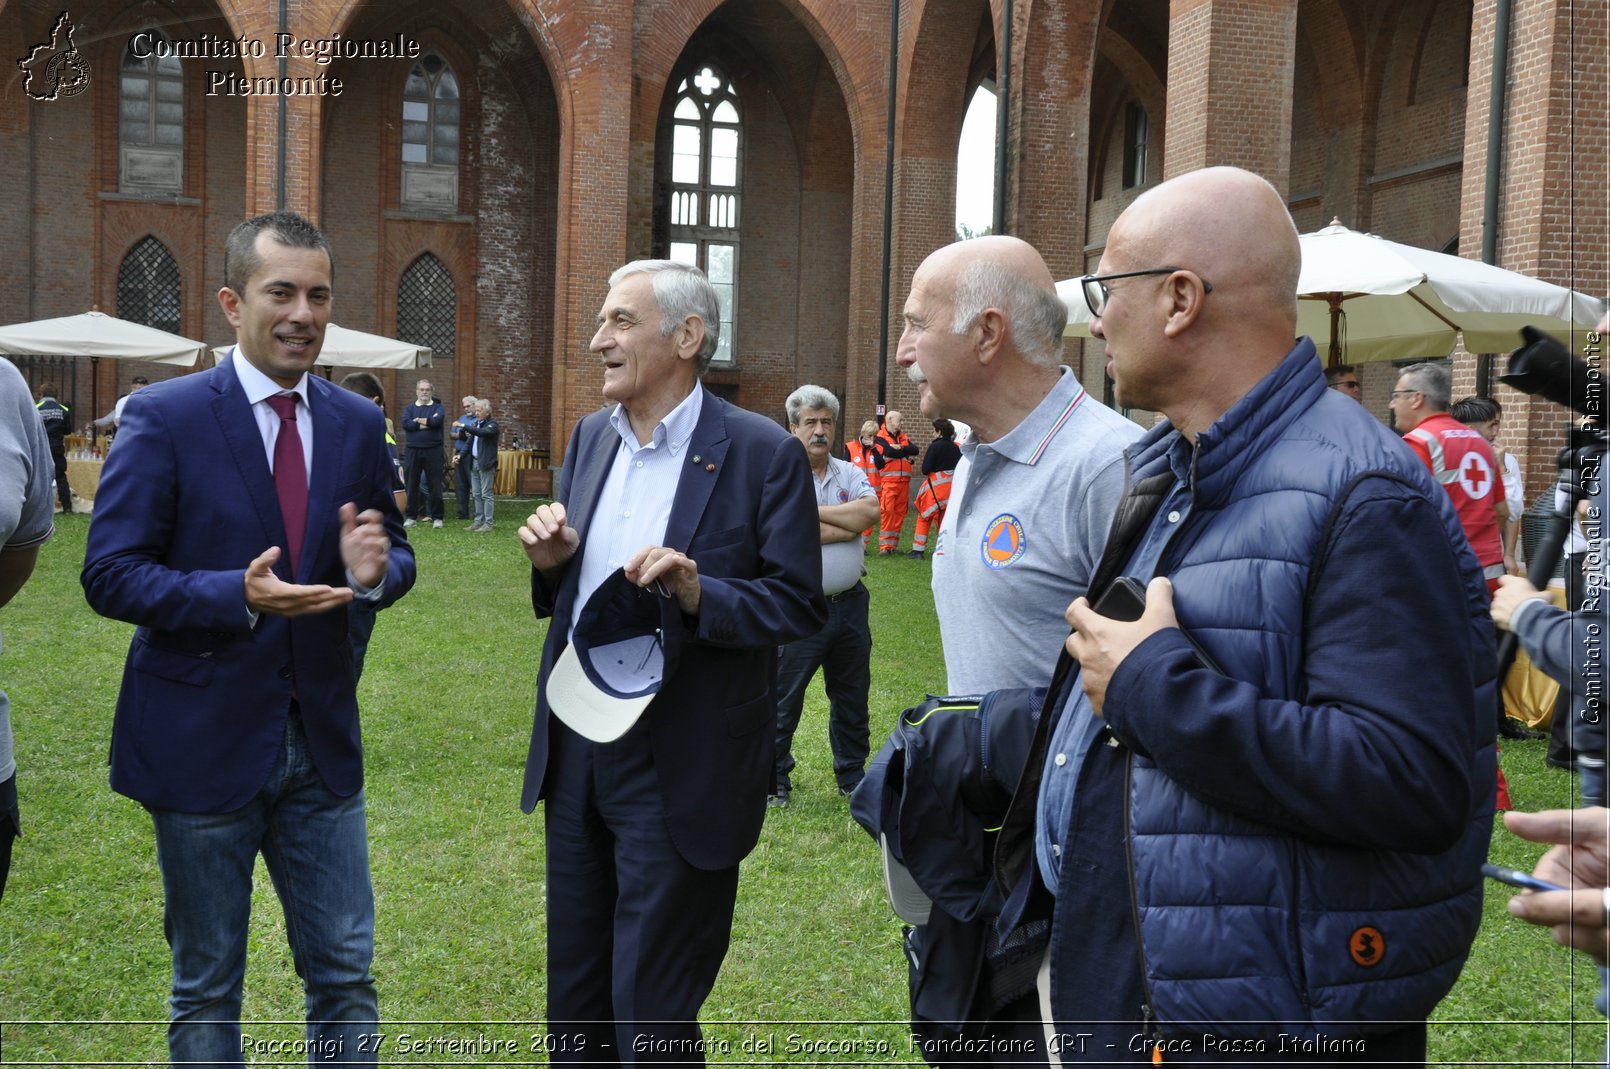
(625,645)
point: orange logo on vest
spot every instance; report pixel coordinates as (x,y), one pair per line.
(1368,946)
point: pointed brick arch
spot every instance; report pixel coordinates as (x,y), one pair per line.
(1129,56)
(1335,86)
(502,238)
(795,195)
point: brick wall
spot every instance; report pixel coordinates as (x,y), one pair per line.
(1553,211)
(1230,72)
(1359,109)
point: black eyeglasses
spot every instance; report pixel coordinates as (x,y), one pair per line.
(1345,384)
(1097,292)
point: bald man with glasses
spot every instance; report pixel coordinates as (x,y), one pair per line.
(1247,818)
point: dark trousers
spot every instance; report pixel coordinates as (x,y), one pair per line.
(843,650)
(58,456)
(636,935)
(10,826)
(425,461)
(461,484)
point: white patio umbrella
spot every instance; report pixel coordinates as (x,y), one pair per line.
(354,348)
(1073,296)
(95,334)
(1363,298)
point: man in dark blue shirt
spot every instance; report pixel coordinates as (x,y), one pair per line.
(422,430)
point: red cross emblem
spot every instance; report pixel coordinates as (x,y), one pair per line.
(1475,475)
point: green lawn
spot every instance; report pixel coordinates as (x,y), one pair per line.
(447,699)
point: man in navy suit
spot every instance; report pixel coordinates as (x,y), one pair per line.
(645,833)
(241,512)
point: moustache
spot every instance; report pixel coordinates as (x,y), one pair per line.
(914,373)
(819,439)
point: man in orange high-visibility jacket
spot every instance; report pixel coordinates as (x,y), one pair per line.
(938,465)
(862,453)
(894,490)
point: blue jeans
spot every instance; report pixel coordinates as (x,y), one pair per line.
(481,480)
(843,650)
(316,846)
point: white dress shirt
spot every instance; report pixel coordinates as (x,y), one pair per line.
(258,388)
(635,503)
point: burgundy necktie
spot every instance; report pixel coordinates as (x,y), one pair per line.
(290,477)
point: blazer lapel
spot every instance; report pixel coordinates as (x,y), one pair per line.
(704,457)
(592,468)
(238,427)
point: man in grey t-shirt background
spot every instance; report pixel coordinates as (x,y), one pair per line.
(26,523)
(842,649)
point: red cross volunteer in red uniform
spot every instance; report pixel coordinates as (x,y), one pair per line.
(1462,461)
(1458,456)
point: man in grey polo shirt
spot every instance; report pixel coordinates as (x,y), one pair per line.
(25,525)
(1040,475)
(1032,499)
(846,505)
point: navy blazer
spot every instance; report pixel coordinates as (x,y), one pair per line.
(745,512)
(186,502)
(487,430)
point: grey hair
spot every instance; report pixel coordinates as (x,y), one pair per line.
(468,399)
(481,402)
(1433,380)
(1036,316)
(810,397)
(680,290)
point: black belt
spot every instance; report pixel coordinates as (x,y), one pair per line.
(858,588)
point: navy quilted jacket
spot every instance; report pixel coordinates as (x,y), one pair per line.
(1297,840)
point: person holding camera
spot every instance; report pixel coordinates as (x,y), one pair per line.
(1569,646)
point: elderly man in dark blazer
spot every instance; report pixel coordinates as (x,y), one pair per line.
(242,511)
(712,505)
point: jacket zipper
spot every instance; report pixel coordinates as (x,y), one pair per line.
(1147,1013)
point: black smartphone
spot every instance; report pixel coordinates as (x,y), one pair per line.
(1517,878)
(1125,599)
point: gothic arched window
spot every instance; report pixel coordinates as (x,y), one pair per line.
(427,308)
(430,129)
(150,117)
(148,286)
(706,174)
